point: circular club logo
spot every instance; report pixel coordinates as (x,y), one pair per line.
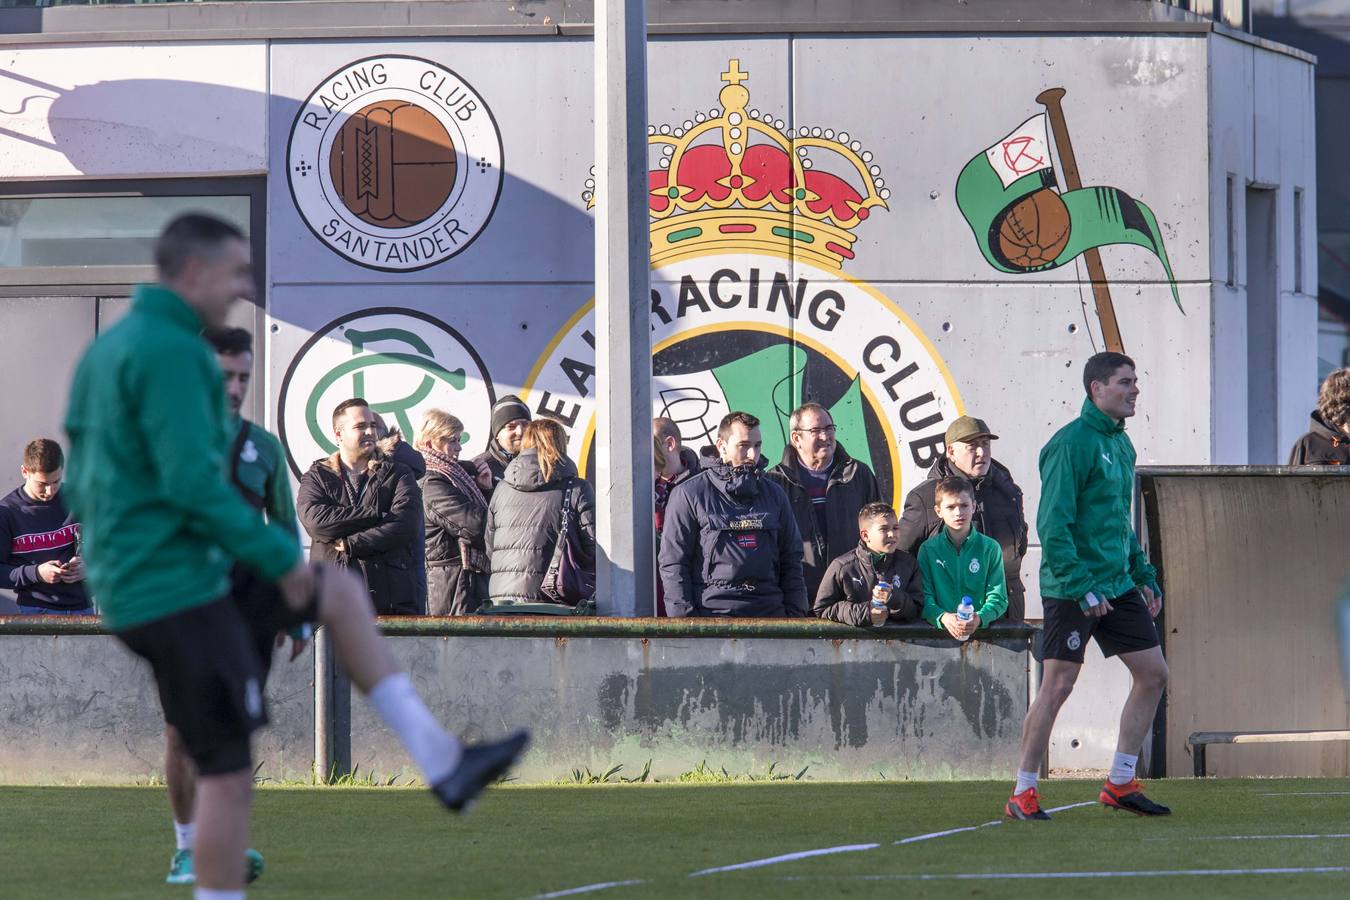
(401,362)
(395,163)
(753,333)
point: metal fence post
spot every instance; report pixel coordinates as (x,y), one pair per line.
(332,714)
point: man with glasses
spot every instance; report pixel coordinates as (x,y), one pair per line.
(826,488)
(998,503)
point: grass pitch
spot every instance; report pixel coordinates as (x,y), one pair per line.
(526,841)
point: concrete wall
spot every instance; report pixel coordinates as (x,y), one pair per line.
(79,708)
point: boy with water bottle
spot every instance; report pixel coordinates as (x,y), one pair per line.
(963,582)
(874,583)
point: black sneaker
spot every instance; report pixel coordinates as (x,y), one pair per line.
(482,764)
(1130,797)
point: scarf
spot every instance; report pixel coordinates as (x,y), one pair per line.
(439,462)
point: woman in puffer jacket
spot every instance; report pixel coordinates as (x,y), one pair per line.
(525,515)
(456,514)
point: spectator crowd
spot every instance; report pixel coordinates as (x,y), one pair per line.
(433,532)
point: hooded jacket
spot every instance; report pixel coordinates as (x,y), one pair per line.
(999,514)
(449,516)
(730,547)
(1321,446)
(845,593)
(1087,487)
(849,487)
(524,519)
(381,529)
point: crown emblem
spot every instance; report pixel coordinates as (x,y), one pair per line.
(735,179)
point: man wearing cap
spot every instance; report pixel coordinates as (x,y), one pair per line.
(998,503)
(510,415)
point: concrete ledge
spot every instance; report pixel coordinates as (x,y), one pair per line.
(849,703)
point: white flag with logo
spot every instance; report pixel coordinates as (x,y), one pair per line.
(1022,152)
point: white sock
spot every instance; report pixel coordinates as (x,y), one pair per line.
(1122,768)
(202,893)
(184,834)
(435,752)
(1026,780)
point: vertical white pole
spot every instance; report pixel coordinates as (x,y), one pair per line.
(623,447)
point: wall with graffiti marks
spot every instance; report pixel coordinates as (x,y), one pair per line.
(852,220)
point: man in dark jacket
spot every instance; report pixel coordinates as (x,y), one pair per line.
(826,487)
(393,445)
(998,503)
(510,415)
(1327,442)
(674,463)
(39,556)
(364,511)
(846,592)
(730,546)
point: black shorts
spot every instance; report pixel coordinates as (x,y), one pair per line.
(209,679)
(1126,628)
(210,664)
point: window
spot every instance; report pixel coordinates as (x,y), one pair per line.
(1298,240)
(1231,231)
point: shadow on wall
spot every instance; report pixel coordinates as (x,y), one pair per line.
(423,214)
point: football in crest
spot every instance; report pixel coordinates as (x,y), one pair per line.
(1034,230)
(393,164)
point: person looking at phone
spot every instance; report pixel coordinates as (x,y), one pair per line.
(39,554)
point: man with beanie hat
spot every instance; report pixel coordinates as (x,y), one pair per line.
(510,415)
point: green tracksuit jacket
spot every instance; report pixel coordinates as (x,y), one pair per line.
(1087,486)
(162,524)
(974,571)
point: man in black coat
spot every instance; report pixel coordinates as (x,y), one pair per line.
(826,488)
(729,546)
(510,415)
(999,512)
(364,511)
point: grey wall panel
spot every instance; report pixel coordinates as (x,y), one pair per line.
(77,709)
(41,341)
(848,709)
(539,95)
(1135,109)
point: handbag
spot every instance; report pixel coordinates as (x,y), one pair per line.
(570,578)
(471,559)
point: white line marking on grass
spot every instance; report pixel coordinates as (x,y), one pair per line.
(588,888)
(1034,876)
(937,834)
(1309,794)
(786,857)
(1257,837)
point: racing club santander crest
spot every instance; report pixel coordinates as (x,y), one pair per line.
(751,227)
(395,163)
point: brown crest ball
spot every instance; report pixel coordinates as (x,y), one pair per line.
(393,164)
(1035,230)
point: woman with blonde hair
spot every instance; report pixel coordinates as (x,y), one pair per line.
(456,513)
(525,515)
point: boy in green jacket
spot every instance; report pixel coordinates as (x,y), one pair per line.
(1096,583)
(960,562)
(162,528)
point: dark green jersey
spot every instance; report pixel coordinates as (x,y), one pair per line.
(257,466)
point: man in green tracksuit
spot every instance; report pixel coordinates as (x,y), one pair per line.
(163,527)
(1095,582)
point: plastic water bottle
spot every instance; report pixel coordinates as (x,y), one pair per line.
(878,604)
(965,612)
